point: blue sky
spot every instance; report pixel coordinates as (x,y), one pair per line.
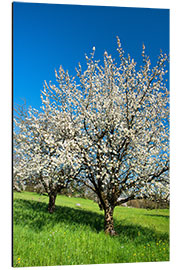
(46,36)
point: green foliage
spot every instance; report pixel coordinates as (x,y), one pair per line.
(74,233)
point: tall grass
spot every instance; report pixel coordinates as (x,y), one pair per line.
(74,233)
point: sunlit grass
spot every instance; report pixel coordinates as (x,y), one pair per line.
(74,233)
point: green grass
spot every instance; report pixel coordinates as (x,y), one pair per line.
(74,234)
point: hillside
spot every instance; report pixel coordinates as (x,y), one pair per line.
(74,233)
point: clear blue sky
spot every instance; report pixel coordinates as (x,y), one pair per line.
(46,36)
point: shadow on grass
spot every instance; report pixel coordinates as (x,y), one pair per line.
(139,234)
(35,216)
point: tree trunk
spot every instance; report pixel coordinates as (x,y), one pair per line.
(52,199)
(108,221)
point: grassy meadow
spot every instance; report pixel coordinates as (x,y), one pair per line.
(74,234)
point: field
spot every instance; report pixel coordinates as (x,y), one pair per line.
(74,234)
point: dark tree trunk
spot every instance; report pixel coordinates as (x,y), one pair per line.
(108,221)
(52,199)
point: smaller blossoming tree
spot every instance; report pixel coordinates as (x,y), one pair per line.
(42,146)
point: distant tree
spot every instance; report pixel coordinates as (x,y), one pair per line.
(42,144)
(118,118)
